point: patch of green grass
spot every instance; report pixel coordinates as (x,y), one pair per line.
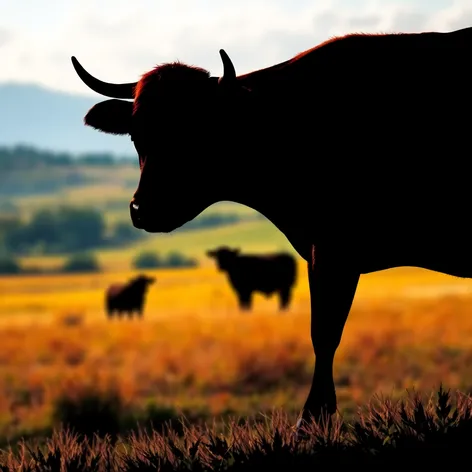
(109,189)
(251,236)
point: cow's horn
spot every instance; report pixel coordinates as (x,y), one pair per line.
(104,88)
(229,73)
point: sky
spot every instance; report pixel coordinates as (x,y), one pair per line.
(118,40)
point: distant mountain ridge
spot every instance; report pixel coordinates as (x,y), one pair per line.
(53,120)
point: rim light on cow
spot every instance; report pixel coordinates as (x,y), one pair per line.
(127,90)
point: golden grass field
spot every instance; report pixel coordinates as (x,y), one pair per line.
(195,351)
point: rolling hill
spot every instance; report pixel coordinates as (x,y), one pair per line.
(107,189)
(47,119)
(250,236)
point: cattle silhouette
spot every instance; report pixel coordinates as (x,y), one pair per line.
(356,150)
(267,274)
(128,298)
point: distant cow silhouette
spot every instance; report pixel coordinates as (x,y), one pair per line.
(128,298)
(356,150)
(268,274)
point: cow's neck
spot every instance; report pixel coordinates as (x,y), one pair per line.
(281,207)
(259,192)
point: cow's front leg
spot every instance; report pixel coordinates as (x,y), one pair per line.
(245,300)
(333,282)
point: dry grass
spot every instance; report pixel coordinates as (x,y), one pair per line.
(416,431)
(195,352)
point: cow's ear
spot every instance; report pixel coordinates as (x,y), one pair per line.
(111,116)
(210,253)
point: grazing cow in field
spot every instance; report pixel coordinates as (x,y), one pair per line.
(268,274)
(356,150)
(128,298)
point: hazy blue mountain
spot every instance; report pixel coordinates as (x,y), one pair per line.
(52,120)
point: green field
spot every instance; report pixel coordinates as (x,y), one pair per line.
(109,190)
(252,236)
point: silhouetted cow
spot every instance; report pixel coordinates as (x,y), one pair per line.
(129,297)
(356,150)
(268,274)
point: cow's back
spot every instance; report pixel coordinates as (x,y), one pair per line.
(397,106)
(114,290)
(265,273)
(376,92)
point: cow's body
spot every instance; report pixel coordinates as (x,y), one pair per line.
(356,150)
(251,273)
(127,298)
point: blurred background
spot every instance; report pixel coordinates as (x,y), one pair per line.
(66,236)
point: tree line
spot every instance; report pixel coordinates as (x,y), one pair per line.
(70,229)
(28,157)
(25,170)
(87,262)
(78,232)
(62,230)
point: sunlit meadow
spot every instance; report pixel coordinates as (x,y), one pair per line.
(195,353)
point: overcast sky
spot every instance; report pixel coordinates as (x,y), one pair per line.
(118,40)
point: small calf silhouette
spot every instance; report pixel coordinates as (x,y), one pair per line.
(265,273)
(129,297)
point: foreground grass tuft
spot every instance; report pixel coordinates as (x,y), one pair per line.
(435,431)
(90,412)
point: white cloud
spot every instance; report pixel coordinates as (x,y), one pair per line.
(5,36)
(118,40)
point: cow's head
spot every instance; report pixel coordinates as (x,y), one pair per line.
(178,112)
(224,256)
(143,280)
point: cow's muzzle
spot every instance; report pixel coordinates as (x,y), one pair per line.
(135,213)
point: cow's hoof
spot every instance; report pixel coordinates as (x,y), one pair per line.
(315,417)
